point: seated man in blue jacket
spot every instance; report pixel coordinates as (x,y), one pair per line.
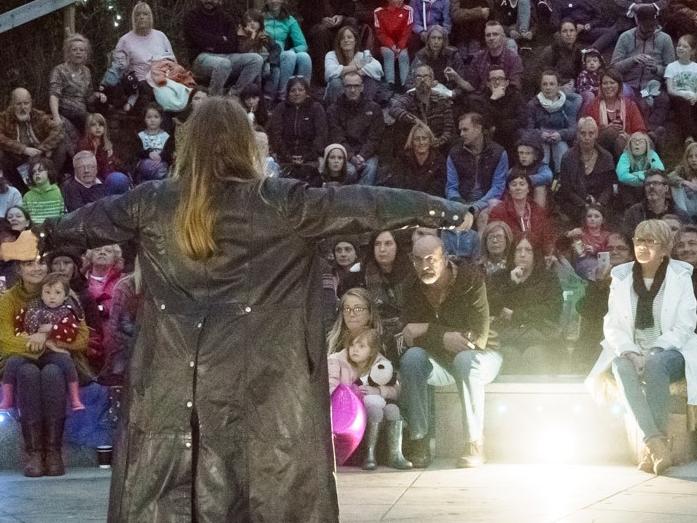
(476,167)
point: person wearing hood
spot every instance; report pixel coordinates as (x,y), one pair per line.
(357,123)
(44,199)
(26,132)
(502,104)
(641,55)
(553,114)
(529,161)
(427,14)
(446,62)
(298,132)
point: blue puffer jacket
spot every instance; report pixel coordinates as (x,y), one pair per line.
(562,121)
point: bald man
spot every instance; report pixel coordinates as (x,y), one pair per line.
(446,314)
(26,132)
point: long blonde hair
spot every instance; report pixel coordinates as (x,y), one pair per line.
(339,337)
(98,118)
(216,146)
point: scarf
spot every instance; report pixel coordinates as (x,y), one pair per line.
(552,106)
(604,122)
(644,308)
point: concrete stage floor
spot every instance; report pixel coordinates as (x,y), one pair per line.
(495,493)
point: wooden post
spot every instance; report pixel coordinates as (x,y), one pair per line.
(69,20)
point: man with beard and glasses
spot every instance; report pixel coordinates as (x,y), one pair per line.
(446,313)
(655,205)
(26,132)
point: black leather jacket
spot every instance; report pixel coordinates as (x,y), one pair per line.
(227,389)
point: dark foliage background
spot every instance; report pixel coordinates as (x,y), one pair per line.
(29,52)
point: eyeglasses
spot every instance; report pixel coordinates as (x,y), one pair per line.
(646,242)
(296,77)
(496,238)
(618,248)
(354,310)
(353,86)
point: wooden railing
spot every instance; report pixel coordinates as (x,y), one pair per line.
(36,9)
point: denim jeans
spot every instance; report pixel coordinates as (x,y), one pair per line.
(470,370)
(388,58)
(292,63)
(556,151)
(245,67)
(523,19)
(648,398)
(365,176)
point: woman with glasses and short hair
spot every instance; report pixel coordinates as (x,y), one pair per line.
(649,336)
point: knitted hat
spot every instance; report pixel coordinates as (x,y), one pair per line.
(329,148)
(74,253)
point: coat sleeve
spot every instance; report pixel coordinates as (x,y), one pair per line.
(321,131)
(297,37)
(622,58)
(684,326)
(332,67)
(115,219)
(406,30)
(334,370)
(618,324)
(375,132)
(353,209)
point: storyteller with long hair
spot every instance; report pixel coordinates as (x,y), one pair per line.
(226,414)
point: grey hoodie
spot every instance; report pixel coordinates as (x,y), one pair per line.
(659,45)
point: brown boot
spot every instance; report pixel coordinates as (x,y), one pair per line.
(54,447)
(645,463)
(473,455)
(33,444)
(660,454)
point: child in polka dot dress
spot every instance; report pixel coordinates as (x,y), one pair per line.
(52,314)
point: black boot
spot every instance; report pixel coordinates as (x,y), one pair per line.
(371,438)
(34,445)
(394,446)
(54,447)
(420,453)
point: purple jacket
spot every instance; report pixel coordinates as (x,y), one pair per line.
(431,12)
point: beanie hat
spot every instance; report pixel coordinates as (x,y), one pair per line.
(329,148)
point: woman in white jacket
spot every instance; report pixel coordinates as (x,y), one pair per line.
(649,335)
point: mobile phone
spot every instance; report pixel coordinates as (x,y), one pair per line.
(604,259)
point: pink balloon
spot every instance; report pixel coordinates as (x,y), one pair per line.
(349,419)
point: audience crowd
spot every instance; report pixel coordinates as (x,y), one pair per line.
(425,95)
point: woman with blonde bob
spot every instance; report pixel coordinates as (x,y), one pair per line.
(421,167)
(227,414)
(649,337)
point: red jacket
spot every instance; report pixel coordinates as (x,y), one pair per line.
(540,231)
(634,123)
(393,25)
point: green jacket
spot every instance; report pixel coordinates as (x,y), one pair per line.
(44,202)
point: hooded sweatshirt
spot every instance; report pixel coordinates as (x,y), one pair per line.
(630,44)
(539,172)
(44,202)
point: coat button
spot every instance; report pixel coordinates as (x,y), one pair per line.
(187,444)
(189,404)
(442,214)
(192,364)
(248,309)
(455,217)
(162,307)
(199,325)
(431,212)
